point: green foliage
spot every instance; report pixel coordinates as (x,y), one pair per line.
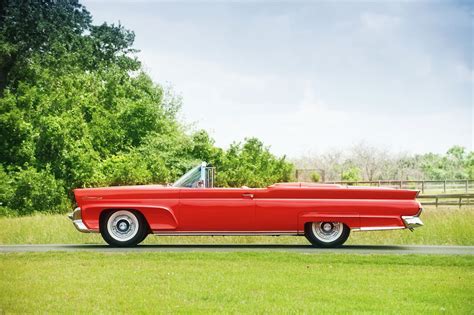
(6,191)
(125,169)
(315,177)
(470,165)
(253,165)
(16,145)
(76,110)
(457,163)
(352,174)
(37,191)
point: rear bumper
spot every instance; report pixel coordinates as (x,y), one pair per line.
(76,219)
(412,222)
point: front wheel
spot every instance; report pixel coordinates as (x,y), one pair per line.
(326,234)
(123,228)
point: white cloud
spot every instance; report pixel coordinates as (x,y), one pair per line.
(379,22)
(315,76)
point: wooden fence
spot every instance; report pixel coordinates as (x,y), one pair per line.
(447,200)
(425,186)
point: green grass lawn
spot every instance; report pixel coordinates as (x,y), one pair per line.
(237,282)
(234,283)
(443,226)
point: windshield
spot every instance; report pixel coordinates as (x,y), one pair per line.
(190,179)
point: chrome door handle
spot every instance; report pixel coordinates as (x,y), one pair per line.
(247,195)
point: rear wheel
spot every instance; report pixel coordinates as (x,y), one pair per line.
(326,234)
(123,228)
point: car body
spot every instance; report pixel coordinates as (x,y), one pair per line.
(191,207)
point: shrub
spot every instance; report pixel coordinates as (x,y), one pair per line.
(315,177)
(37,191)
(351,175)
(6,191)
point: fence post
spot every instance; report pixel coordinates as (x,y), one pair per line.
(436,202)
(466,184)
(460,203)
(296,175)
(444,186)
(401,184)
(423,187)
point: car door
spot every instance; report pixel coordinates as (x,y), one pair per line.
(276,212)
(216,209)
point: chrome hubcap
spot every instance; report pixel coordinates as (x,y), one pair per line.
(327,227)
(327,231)
(123,226)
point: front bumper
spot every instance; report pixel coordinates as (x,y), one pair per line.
(412,222)
(76,219)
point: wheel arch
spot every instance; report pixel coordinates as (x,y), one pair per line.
(106,211)
(351,220)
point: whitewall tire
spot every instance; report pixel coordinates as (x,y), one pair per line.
(123,228)
(327,234)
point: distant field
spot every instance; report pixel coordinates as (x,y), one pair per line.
(443,226)
(234,283)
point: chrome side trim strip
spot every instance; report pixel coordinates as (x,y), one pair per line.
(225,233)
(378,228)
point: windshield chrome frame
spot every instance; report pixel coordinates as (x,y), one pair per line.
(202,175)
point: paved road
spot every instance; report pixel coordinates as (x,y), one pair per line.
(353,249)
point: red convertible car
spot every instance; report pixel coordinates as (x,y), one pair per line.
(324,213)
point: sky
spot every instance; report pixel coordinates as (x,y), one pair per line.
(312,76)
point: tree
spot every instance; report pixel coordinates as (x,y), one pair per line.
(455,164)
(29,27)
(370,160)
(328,164)
(77,110)
(376,164)
(252,164)
(470,165)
